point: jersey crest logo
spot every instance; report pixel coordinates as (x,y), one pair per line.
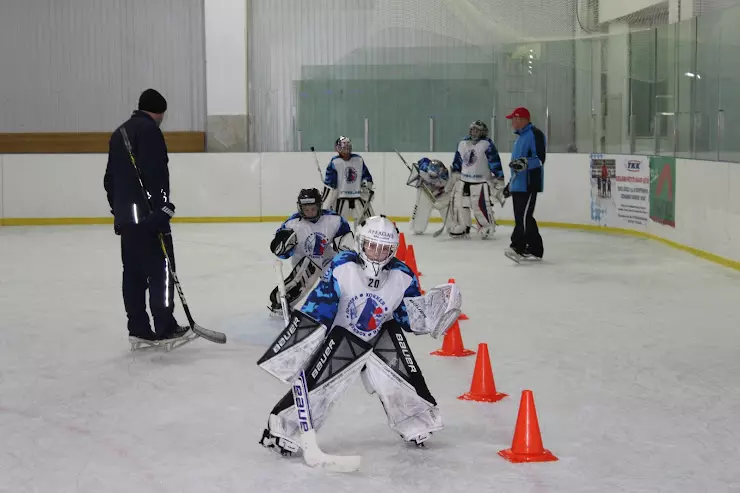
(366,313)
(315,244)
(472,158)
(350,174)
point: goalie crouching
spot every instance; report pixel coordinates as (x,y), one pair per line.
(352,325)
(310,238)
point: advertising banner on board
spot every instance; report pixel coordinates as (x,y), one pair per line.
(663,190)
(620,190)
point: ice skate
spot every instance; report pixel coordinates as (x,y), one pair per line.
(513,255)
(181,335)
(284,447)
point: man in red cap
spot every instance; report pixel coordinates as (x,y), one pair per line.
(527,180)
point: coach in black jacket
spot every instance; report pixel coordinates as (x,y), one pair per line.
(144,263)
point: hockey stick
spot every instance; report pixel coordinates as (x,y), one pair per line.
(211,335)
(444,223)
(312,454)
(364,210)
(316,160)
(281,290)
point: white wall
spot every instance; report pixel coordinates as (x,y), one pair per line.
(226,56)
(235,185)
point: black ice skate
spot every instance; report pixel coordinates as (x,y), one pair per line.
(513,255)
(180,335)
(143,340)
(284,447)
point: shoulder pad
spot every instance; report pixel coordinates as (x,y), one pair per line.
(396,264)
(328,212)
(343,258)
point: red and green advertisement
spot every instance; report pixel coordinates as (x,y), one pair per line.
(663,190)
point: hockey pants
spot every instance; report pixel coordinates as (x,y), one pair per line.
(423,210)
(299,281)
(387,368)
(471,199)
(145,267)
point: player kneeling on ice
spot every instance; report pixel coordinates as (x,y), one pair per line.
(475,170)
(430,177)
(353,324)
(349,184)
(310,238)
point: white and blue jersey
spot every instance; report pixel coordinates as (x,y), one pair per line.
(476,161)
(347,176)
(342,297)
(315,238)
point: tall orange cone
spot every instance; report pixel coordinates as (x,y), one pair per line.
(483,388)
(411,260)
(527,444)
(401,252)
(462,316)
(452,344)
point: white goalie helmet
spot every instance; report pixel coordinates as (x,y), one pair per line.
(377,242)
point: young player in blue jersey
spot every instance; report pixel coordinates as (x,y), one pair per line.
(349,184)
(352,325)
(310,238)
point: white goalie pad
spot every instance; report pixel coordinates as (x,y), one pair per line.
(435,312)
(409,414)
(292,349)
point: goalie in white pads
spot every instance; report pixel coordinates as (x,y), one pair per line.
(310,238)
(430,178)
(349,184)
(352,325)
(475,170)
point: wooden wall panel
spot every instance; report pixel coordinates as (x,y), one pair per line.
(88,142)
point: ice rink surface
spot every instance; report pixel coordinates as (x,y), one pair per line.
(631,349)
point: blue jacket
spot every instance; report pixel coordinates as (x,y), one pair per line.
(531,144)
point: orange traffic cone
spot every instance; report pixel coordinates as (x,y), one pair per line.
(527,443)
(401,252)
(452,344)
(483,388)
(462,316)
(411,260)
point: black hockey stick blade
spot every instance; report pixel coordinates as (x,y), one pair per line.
(208,334)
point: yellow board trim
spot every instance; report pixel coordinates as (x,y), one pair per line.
(65,221)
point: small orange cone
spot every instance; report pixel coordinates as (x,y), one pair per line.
(527,444)
(401,252)
(452,344)
(483,388)
(411,260)
(462,316)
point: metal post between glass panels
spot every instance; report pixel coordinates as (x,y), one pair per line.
(431,134)
(367,134)
(633,134)
(656,132)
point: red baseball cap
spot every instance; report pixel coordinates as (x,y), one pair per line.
(521,112)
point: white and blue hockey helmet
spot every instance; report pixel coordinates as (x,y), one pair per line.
(478,130)
(377,241)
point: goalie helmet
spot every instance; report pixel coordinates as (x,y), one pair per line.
(437,170)
(377,242)
(343,145)
(309,204)
(478,130)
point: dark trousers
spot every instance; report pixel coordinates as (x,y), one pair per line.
(526,235)
(145,267)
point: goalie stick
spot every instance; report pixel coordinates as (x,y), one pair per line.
(318,168)
(210,335)
(429,194)
(312,454)
(281,290)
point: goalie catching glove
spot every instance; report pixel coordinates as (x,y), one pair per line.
(518,164)
(435,312)
(285,240)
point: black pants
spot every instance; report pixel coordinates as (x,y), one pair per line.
(144,267)
(526,235)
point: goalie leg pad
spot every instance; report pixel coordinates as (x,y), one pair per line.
(334,367)
(293,347)
(480,203)
(330,197)
(301,279)
(394,374)
(460,210)
(422,212)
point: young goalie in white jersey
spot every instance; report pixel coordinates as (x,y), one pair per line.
(475,170)
(310,238)
(430,178)
(352,325)
(349,184)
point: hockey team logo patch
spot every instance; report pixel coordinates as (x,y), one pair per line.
(366,313)
(472,158)
(350,174)
(315,244)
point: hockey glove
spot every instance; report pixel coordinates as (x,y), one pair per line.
(285,240)
(367,185)
(159,219)
(519,164)
(507,192)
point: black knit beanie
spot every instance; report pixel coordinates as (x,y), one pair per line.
(153,102)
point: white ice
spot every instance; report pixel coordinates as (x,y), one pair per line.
(631,349)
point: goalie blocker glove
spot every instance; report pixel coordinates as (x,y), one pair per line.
(285,240)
